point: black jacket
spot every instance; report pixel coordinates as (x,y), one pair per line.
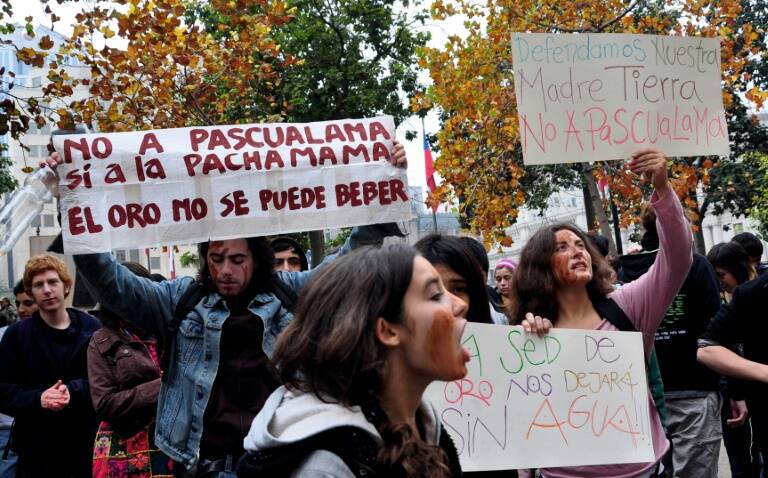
(687,317)
(743,321)
(34,357)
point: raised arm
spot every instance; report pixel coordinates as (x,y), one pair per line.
(645,301)
(140,300)
(732,325)
(361,236)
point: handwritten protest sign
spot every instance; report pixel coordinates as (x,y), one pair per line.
(572,398)
(184,185)
(594,97)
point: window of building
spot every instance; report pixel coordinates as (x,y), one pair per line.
(48,220)
(120,256)
(36,82)
(154,263)
(134,255)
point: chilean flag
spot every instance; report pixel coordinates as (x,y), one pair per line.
(429,168)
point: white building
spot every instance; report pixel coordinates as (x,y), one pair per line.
(28,83)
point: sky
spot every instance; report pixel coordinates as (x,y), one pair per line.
(414,149)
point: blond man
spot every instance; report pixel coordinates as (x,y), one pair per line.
(43,380)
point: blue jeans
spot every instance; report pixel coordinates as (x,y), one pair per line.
(7,466)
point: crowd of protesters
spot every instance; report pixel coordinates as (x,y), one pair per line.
(264,367)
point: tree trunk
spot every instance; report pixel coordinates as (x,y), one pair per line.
(317,246)
(597,205)
(698,235)
(589,210)
(698,241)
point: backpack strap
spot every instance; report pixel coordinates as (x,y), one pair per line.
(447,445)
(356,448)
(610,311)
(191,297)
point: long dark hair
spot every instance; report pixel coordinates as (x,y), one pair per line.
(263,263)
(330,349)
(536,286)
(449,251)
(732,257)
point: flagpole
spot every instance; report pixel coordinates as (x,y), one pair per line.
(434,214)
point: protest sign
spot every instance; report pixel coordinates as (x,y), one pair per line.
(574,397)
(185,185)
(590,97)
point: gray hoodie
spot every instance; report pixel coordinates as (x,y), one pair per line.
(288,417)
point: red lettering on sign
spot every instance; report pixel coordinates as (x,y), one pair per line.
(236,204)
(150,141)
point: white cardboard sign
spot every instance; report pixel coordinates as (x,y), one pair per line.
(574,397)
(185,185)
(600,96)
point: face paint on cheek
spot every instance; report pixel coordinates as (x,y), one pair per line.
(442,348)
(213,268)
(561,269)
(560,266)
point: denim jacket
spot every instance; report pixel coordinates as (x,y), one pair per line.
(195,358)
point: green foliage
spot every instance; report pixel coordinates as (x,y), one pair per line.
(759,211)
(339,240)
(189,259)
(356,58)
(7,180)
(734,181)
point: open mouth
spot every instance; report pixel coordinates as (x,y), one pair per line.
(465,355)
(579,266)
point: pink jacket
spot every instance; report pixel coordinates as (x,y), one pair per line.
(645,301)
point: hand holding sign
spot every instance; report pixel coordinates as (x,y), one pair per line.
(651,163)
(533,324)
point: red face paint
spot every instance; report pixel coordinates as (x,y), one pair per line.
(231,266)
(571,263)
(443,347)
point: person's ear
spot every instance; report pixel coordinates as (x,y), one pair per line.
(387,333)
